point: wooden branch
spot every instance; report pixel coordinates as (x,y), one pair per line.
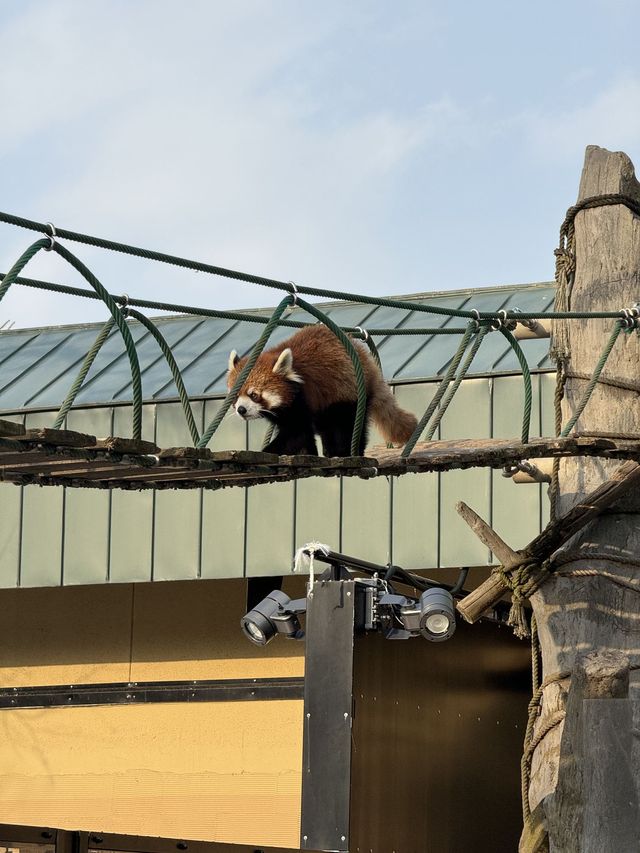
(543,546)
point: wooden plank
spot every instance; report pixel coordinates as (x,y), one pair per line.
(126,445)
(9,428)
(495,453)
(59,437)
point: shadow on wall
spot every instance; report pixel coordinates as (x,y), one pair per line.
(172,630)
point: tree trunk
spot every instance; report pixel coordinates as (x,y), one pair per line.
(578,616)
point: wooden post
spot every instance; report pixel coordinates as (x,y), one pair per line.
(576,615)
(595,804)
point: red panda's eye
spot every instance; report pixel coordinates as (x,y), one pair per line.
(254,396)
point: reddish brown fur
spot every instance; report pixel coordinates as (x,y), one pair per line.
(326,369)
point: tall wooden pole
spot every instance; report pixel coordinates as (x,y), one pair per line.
(580,616)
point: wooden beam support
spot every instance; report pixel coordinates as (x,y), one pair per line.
(543,546)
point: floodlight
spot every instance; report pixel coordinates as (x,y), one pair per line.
(276,614)
(437,614)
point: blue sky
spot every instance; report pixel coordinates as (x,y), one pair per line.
(367,146)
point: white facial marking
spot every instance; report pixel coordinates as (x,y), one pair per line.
(272,399)
(247,409)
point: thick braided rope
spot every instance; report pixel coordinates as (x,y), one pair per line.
(433,426)
(115,312)
(594,378)
(561,378)
(175,372)
(444,384)
(121,323)
(212,269)
(241,316)
(82,374)
(526,378)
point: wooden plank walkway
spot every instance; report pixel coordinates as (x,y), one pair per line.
(48,457)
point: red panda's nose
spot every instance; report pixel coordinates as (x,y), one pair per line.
(241,410)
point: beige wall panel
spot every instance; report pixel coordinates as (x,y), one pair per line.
(65,635)
(212,771)
(42,525)
(469,415)
(415,498)
(10,523)
(366,526)
(10,515)
(132,513)
(270,533)
(223,512)
(86,516)
(318,512)
(270,543)
(184,630)
(176,552)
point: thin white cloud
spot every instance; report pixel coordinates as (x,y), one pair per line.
(610,119)
(206,151)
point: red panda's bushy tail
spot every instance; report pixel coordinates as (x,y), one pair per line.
(395,424)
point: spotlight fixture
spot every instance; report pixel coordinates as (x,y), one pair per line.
(437,614)
(276,614)
(378,607)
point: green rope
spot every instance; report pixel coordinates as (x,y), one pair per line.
(286,286)
(433,426)
(85,368)
(232,396)
(361,407)
(526,378)
(268,435)
(175,372)
(21,263)
(373,349)
(223,315)
(120,322)
(594,378)
(444,384)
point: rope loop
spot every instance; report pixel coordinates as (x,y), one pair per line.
(630,318)
(363,332)
(124,305)
(52,236)
(294,293)
(476,318)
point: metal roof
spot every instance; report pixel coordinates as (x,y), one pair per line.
(37,366)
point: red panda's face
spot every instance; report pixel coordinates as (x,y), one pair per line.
(267,388)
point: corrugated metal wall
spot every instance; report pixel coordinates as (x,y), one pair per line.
(52,536)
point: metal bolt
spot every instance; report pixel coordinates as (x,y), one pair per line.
(346,715)
(343,838)
(348,594)
(304,837)
(182,845)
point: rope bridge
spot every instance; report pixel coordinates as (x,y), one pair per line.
(55,456)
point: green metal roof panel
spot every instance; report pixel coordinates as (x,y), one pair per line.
(37,366)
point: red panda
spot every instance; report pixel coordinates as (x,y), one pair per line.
(306,386)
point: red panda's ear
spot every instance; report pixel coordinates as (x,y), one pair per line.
(284,367)
(233,359)
(284,363)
